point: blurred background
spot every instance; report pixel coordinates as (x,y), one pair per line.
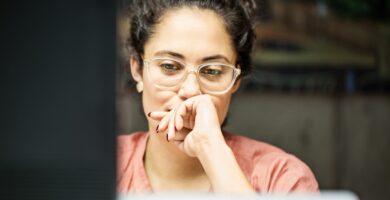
(320,89)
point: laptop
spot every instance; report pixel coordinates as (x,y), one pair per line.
(324,195)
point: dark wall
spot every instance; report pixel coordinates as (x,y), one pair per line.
(57,86)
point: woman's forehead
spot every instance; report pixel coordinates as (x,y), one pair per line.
(193,33)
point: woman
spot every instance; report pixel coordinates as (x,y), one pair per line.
(188,58)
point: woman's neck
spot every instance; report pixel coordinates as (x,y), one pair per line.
(166,165)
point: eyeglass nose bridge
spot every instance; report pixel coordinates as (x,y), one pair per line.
(193,69)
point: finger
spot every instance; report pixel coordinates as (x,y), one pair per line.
(204,111)
(171,126)
(187,122)
(190,108)
(192,121)
(179,117)
(157,115)
(163,125)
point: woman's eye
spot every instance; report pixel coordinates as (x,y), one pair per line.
(169,67)
(212,72)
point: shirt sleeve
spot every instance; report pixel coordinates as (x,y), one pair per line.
(282,173)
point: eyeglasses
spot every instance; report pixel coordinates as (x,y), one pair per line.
(213,78)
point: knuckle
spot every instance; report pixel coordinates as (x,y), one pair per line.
(206,97)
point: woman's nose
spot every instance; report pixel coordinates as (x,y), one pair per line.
(190,87)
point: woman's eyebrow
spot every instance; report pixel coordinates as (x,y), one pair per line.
(169,53)
(215,57)
(180,56)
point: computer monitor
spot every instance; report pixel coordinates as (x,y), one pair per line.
(57,104)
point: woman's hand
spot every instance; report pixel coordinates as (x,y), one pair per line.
(191,125)
(194,126)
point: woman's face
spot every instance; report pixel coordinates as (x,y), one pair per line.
(193,36)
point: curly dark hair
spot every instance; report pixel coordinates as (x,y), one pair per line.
(237,16)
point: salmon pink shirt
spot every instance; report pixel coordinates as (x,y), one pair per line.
(268,168)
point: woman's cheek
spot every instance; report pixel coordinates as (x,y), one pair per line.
(155,99)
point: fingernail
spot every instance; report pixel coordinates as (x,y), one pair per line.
(167,138)
(175,129)
(157,128)
(149,114)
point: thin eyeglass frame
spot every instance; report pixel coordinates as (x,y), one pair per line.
(196,70)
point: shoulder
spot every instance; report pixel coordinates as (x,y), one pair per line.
(269,168)
(246,148)
(250,152)
(131,141)
(130,147)
(130,151)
